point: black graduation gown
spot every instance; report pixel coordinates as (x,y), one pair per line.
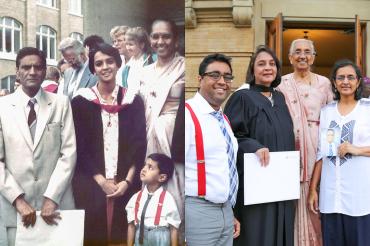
(90,161)
(256,124)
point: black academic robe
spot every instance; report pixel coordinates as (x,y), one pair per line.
(90,161)
(257,124)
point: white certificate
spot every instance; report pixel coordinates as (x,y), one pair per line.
(279,181)
(68,232)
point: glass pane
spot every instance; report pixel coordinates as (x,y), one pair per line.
(44,44)
(1,39)
(52,48)
(17,40)
(8,40)
(8,21)
(52,32)
(38,41)
(44,29)
(4,82)
(16,24)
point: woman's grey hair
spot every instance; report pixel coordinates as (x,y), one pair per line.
(294,43)
(68,43)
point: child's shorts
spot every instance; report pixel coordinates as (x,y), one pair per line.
(154,236)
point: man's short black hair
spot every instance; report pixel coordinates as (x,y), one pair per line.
(217,57)
(27,51)
(92,41)
(165,164)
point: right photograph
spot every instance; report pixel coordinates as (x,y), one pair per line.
(277,136)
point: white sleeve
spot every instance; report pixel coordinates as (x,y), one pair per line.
(130,208)
(172,214)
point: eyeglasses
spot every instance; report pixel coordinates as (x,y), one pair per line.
(303,52)
(350,78)
(156,36)
(216,76)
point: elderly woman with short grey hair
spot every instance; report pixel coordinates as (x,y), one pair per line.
(305,94)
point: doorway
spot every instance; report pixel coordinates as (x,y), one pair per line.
(332,40)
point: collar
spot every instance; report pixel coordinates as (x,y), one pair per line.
(25,98)
(101,99)
(202,105)
(157,192)
(261,88)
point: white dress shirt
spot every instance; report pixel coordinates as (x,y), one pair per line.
(215,152)
(169,214)
(344,186)
(25,99)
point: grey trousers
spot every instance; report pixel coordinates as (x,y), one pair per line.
(3,234)
(207,223)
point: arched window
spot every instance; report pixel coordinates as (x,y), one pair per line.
(10,35)
(46,41)
(78,36)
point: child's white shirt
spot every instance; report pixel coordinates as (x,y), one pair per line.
(169,214)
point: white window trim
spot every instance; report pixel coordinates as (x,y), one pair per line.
(70,11)
(47,6)
(48,35)
(8,55)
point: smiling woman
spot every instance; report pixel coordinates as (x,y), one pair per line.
(106,175)
(305,93)
(261,122)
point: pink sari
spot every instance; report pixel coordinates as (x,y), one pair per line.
(305,102)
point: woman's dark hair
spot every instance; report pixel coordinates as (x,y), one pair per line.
(250,73)
(172,25)
(105,49)
(165,164)
(344,63)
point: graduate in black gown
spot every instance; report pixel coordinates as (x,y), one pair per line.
(261,122)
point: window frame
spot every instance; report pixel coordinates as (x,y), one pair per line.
(48,36)
(12,54)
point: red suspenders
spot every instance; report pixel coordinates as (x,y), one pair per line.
(159,207)
(201,165)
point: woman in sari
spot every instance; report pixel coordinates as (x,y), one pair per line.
(163,84)
(305,94)
(110,132)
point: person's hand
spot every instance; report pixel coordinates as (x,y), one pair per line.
(346,148)
(108,186)
(27,212)
(121,189)
(236,228)
(48,213)
(263,155)
(313,201)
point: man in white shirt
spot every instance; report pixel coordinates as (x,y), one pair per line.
(79,75)
(210,184)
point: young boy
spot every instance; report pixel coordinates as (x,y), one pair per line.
(158,225)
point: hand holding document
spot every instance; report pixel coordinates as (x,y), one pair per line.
(278,181)
(68,232)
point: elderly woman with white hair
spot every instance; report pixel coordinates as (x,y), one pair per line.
(305,94)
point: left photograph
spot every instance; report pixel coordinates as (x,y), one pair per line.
(92,122)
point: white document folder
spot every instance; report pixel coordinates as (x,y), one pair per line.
(279,181)
(68,232)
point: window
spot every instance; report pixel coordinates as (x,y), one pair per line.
(75,7)
(46,41)
(49,3)
(8,83)
(78,36)
(10,35)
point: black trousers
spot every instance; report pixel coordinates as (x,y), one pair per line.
(345,230)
